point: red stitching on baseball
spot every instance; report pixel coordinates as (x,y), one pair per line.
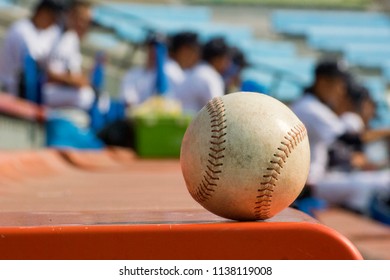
(263,204)
(216,110)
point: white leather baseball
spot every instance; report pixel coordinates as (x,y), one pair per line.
(245,156)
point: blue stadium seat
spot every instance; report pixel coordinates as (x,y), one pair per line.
(232,33)
(287,92)
(4,4)
(366,54)
(297,22)
(377,87)
(329,38)
(102,40)
(386,71)
(295,67)
(255,48)
(167,12)
(280,87)
(133,21)
(263,77)
(131,33)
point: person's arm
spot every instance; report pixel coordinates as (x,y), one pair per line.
(76,80)
(64,65)
(375,134)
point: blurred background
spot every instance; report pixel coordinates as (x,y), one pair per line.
(281,39)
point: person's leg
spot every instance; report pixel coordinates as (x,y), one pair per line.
(353,189)
(62,96)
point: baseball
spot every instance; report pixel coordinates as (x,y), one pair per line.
(245,156)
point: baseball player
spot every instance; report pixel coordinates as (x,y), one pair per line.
(317,110)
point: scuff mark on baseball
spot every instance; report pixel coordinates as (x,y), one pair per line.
(245,156)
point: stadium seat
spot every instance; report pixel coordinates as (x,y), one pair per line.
(295,68)
(132,21)
(297,22)
(329,38)
(255,48)
(277,84)
(104,41)
(147,11)
(367,54)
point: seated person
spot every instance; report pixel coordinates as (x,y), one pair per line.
(319,110)
(66,85)
(33,36)
(205,81)
(184,51)
(140,83)
(362,110)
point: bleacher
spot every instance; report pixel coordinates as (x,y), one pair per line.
(360,37)
(274,64)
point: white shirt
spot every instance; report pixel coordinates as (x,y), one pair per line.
(23,38)
(202,84)
(323,128)
(139,83)
(353,122)
(66,56)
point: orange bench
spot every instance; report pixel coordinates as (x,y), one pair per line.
(372,238)
(120,207)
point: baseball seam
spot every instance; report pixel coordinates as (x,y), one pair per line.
(264,198)
(210,176)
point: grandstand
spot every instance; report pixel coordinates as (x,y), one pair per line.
(282,45)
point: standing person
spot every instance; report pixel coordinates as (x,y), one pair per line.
(205,81)
(318,110)
(34,36)
(66,85)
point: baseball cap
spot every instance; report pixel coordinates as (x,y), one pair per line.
(331,68)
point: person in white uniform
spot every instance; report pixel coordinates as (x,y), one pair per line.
(34,36)
(205,81)
(184,51)
(317,110)
(139,83)
(67,86)
(359,119)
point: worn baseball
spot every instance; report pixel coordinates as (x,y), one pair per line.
(245,156)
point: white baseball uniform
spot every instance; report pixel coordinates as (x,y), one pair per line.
(353,189)
(323,128)
(201,85)
(23,38)
(66,57)
(139,83)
